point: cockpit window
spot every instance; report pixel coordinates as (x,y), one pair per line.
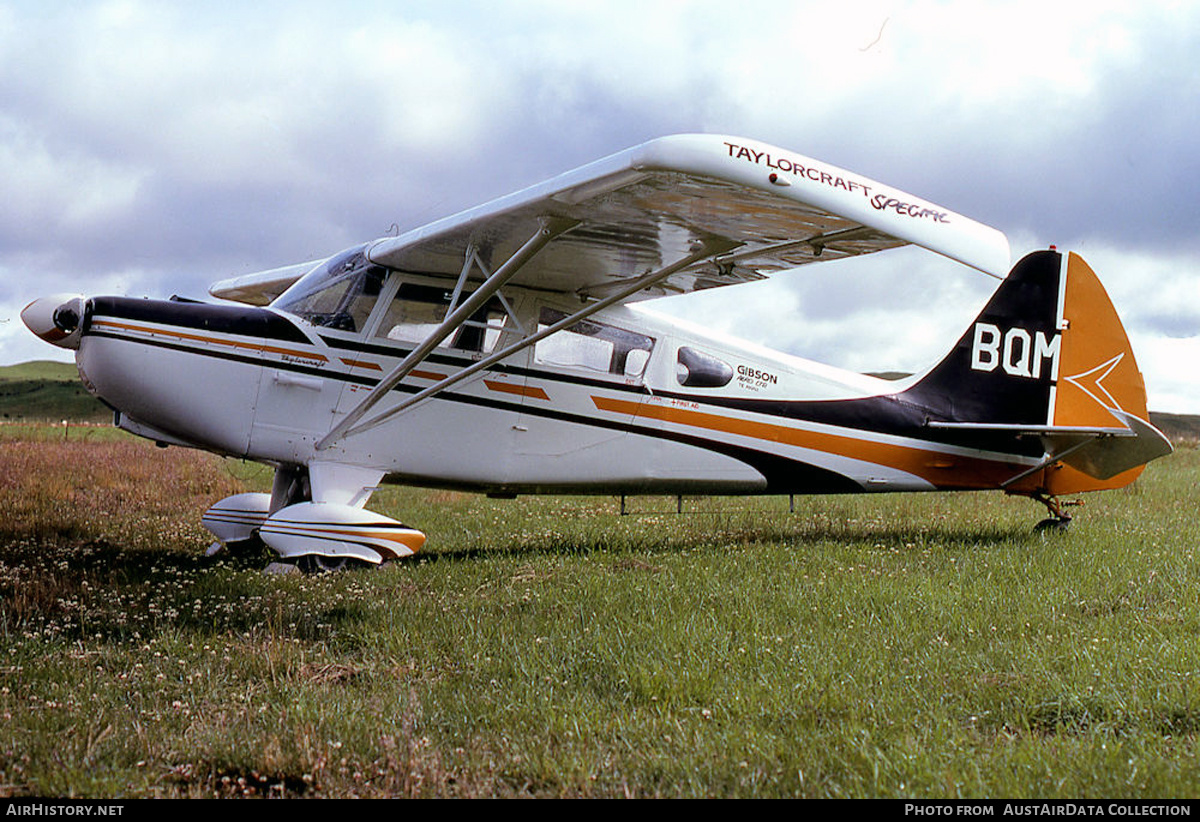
(339,293)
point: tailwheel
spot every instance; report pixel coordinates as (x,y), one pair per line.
(1053,524)
(1059,519)
(320,564)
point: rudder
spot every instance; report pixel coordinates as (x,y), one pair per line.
(1098,375)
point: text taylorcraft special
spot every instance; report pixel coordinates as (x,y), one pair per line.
(499,350)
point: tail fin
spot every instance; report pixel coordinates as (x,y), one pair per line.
(1048,354)
(1004,368)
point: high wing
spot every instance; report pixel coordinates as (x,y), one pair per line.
(649,206)
(645,207)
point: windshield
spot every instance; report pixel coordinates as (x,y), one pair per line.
(339,293)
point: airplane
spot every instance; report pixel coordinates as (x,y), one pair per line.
(506,350)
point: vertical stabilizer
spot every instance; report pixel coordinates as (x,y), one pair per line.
(1048,357)
(1003,370)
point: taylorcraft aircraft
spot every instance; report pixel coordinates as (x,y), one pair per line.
(502,350)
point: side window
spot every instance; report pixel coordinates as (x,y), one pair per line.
(417,310)
(695,369)
(595,346)
(414,313)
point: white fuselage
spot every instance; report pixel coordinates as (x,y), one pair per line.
(565,415)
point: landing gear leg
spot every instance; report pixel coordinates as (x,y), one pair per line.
(1059,519)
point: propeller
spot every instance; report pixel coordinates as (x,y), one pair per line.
(57,319)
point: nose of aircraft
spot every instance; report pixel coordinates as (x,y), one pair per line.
(56,319)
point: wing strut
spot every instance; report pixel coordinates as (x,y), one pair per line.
(817,243)
(548,229)
(1049,460)
(708,248)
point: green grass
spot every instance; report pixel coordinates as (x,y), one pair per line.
(909,645)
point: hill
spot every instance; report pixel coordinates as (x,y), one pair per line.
(44,390)
(1179,428)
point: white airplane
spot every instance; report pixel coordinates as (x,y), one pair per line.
(501,350)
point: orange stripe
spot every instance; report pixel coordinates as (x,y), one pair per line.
(370,366)
(933,466)
(426,375)
(518,389)
(405,538)
(291,352)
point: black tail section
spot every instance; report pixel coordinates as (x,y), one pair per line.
(1003,369)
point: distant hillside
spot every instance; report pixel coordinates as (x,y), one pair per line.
(40,370)
(1179,428)
(45,390)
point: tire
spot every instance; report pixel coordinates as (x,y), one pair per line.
(321,564)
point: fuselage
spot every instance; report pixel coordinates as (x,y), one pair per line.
(627,401)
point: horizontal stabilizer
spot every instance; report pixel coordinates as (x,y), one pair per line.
(1104,458)
(1099,452)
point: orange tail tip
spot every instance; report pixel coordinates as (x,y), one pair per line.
(1099,384)
(1098,375)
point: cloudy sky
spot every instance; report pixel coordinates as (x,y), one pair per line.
(150,148)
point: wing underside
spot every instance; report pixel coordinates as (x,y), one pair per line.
(641,226)
(651,205)
(261,287)
(645,208)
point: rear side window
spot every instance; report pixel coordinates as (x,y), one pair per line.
(695,369)
(593,346)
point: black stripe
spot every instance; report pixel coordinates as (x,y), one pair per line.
(246,321)
(903,415)
(783,475)
(893,415)
(896,415)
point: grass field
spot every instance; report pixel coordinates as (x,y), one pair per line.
(910,645)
